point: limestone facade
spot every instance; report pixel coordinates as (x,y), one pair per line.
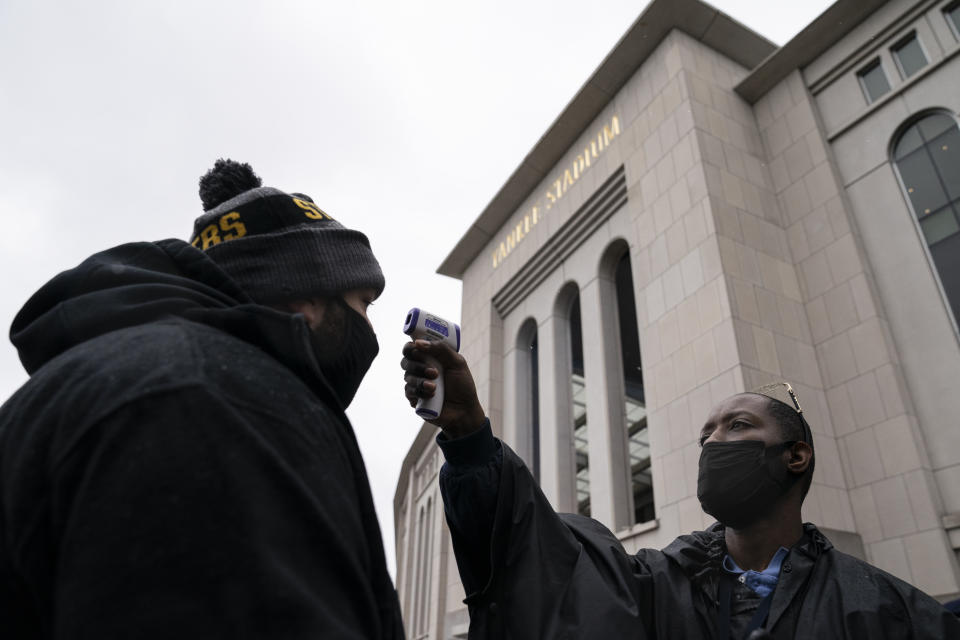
(769,236)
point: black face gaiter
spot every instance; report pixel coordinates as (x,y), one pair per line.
(345,346)
(740,481)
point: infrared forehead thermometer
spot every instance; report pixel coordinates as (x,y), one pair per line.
(421,325)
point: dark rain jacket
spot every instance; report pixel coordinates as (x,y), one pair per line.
(178,467)
(554,576)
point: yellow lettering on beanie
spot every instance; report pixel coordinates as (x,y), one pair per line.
(311,210)
(232,227)
(230,224)
(209,236)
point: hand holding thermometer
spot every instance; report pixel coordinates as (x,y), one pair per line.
(421,325)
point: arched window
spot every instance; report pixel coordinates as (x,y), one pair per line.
(578,395)
(402,555)
(422,599)
(418,594)
(528,376)
(427,569)
(927,157)
(534,351)
(635,411)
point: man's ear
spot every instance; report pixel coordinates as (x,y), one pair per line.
(801,454)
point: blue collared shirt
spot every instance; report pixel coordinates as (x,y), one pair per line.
(762,582)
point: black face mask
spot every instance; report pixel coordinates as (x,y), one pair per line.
(345,346)
(740,481)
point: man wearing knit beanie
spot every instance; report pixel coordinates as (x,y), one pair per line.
(179,463)
(286,252)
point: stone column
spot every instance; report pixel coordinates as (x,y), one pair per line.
(513,431)
(556,451)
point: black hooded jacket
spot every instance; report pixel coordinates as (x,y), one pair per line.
(532,573)
(177,466)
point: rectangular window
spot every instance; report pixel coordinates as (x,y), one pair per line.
(939,225)
(635,411)
(952,14)
(535,404)
(873,81)
(909,56)
(578,392)
(581,444)
(924,186)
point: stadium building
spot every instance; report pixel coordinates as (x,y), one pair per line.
(710,213)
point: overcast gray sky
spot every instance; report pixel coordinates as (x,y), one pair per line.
(401,119)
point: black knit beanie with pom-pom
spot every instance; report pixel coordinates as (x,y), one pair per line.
(278,246)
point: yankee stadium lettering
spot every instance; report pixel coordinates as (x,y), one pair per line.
(556,189)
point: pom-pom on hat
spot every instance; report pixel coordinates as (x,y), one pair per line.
(278,246)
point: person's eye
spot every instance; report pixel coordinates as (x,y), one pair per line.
(738,424)
(703,439)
